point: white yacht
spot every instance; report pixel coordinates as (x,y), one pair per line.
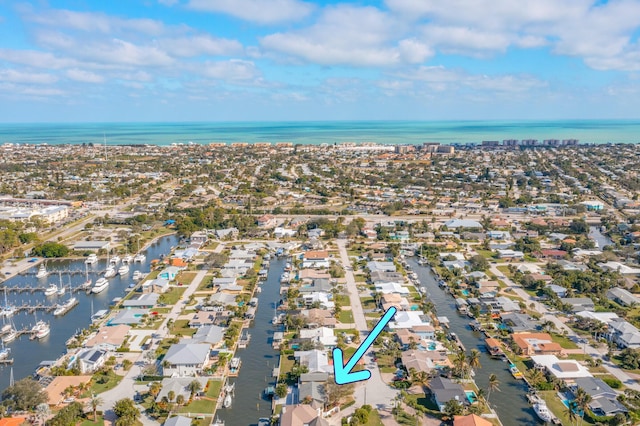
(123,270)
(100,285)
(4,352)
(7,310)
(40,330)
(63,308)
(10,336)
(138,275)
(127,259)
(542,411)
(51,290)
(91,259)
(139,258)
(42,271)
(115,260)
(110,272)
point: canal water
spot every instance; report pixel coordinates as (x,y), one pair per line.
(601,240)
(258,358)
(510,403)
(27,354)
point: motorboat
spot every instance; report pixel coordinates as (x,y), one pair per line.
(100,285)
(91,259)
(40,330)
(110,272)
(139,258)
(123,270)
(7,310)
(226,403)
(137,275)
(517,374)
(65,307)
(4,352)
(61,291)
(115,260)
(10,336)
(127,259)
(51,290)
(42,272)
(542,411)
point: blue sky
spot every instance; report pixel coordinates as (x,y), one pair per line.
(255,60)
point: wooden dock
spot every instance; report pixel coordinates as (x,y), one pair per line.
(32,290)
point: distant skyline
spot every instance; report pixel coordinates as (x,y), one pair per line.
(289,60)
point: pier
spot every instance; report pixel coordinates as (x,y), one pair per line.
(32,290)
(33,308)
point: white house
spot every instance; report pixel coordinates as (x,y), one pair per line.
(89,360)
(185,359)
(315,259)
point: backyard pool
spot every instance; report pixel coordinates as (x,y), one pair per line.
(465,292)
(471,396)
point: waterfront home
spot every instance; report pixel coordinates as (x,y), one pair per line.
(108,338)
(386,277)
(619,267)
(312,393)
(409,320)
(301,415)
(169,273)
(604,400)
(378,266)
(317,284)
(470,420)
(566,370)
(308,275)
(536,344)
(315,259)
(579,304)
(178,420)
(315,360)
(223,299)
(200,237)
(226,233)
(212,335)
(517,322)
(148,300)
(128,316)
(320,298)
(396,300)
(179,386)
(418,360)
(321,335)
(313,377)
(387,288)
(319,317)
(407,338)
(622,296)
(56,391)
(204,319)
(185,359)
(90,359)
(444,390)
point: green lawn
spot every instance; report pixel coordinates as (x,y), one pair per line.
(556,406)
(374,419)
(205,284)
(112,382)
(87,422)
(186,278)
(181,328)
(286,364)
(173,295)
(345,317)
(563,341)
(368,302)
(505,270)
(199,406)
(214,388)
(486,253)
(342,299)
(361,278)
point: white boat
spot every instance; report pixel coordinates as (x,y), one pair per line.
(7,310)
(87,281)
(100,285)
(139,258)
(542,411)
(226,403)
(60,291)
(91,259)
(42,272)
(110,272)
(137,275)
(123,270)
(51,290)
(65,307)
(4,352)
(115,260)
(10,336)
(127,259)
(40,330)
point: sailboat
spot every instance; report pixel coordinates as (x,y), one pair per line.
(51,290)
(9,334)
(87,281)
(42,271)
(61,289)
(40,330)
(140,257)
(4,352)
(7,310)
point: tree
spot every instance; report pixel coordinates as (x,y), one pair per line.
(180,400)
(95,402)
(453,408)
(126,411)
(24,395)
(154,389)
(474,359)
(50,249)
(69,415)
(494,385)
(479,263)
(281,390)
(582,401)
(195,387)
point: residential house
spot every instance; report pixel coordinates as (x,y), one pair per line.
(470,420)
(579,304)
(147,300)
(178,420)
(409,320)
(568,369)
(396,300)
(108,338)
(463,223)
(536,344)
(406,338)
(179,386)
(624,334)
(281,232)
(315,360)
(212,335)
(418,360)
(169,273)
(378,266)
(301,415)
(444,390)
(510,254)
(316,259)
(319,317)
(221,234)
(200,237)
(267,221)
(90,359)
(604,400)
(622,296)
(322,335)
(517,322)
(312,393)
(185,359)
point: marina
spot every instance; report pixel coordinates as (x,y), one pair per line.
(62,327)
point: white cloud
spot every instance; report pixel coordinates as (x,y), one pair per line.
(84,76)
(203,44)
(35,58)
(14,76)
(259,11)
(349,35)
(234,70)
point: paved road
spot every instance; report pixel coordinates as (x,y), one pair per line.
(374,391)
(628,381)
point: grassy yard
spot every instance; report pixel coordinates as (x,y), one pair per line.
(214,388)
(173,295)
(505,270)
(374,419)
(368,302)
(361,278)
(488,254)
(286,364)
(556,406)
(345,317)
(186,278)
(205,284)
(110,380)
(563,341)
(88,422)
(181,328)
(342,299)
(201,405)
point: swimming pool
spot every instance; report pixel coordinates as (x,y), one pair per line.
(465,292)
(568,403)
(471,396)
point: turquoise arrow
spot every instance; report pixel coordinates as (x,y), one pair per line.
(343,374)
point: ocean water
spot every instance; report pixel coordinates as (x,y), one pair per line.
(317,132)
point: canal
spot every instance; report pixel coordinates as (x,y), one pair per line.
(601,240)
(510,403)
(27,354)
(258,358)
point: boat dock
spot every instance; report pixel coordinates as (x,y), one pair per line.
(38,289)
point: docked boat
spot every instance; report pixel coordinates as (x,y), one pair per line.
(517,374)
(7,310)
(42,272)
(91,259)
(100,285)
(115,260)
(4,353)
(139,258)
(65,307)
(123,270)
(127,259)
(137,275)
(542,411)
(110,272)
(40,330)
(234,366)
(51,290)
(10,336)
(101,314)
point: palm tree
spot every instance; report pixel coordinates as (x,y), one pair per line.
(474,359)
(536,377)
(154,389)
(494,385)
(582,401)
(95,401)
(195,387)
(573,417)
(460,364)
(548,326)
